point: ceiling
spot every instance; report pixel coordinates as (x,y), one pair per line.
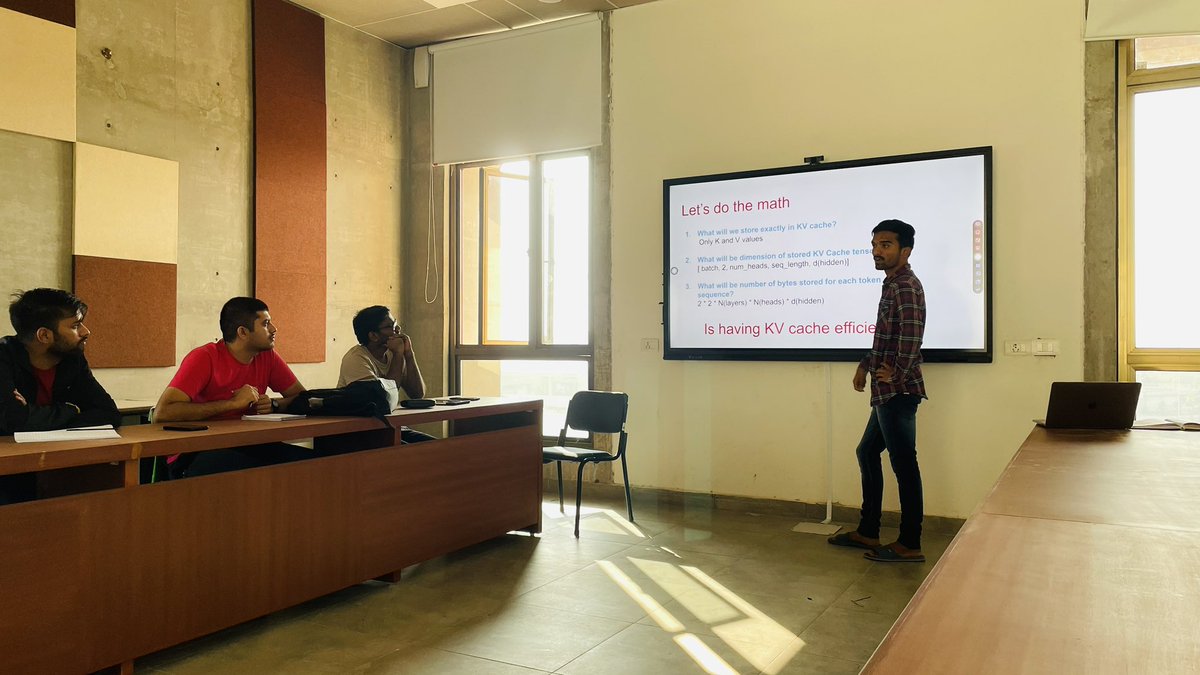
(414,23)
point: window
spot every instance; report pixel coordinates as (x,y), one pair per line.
(1166,52)
(1160,207)
(522,301)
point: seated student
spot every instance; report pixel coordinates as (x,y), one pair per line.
(45,381)
(229,378)
(383,352)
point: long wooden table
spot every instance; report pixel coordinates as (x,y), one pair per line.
(96,579)
(1084,558)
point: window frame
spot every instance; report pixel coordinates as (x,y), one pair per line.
(534,349)
(1129,83)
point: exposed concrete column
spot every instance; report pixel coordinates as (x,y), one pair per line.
(1100,212)
(424,245)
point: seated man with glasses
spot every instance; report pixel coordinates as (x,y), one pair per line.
(384,352)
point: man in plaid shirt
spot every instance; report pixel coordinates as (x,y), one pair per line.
(894,364)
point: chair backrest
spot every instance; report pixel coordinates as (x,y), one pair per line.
(601,412)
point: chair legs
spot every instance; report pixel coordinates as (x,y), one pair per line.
(628,498)
(579,491)
(578,496)
(558,465)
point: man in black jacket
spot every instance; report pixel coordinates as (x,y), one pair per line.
(45,381)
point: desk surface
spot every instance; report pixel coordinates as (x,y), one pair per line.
(149,440)
(1082,559)
(1139,478)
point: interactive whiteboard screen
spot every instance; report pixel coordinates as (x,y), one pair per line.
(776,264)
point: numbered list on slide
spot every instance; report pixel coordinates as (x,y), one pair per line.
(751,273)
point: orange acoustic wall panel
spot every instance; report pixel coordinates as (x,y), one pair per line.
(131,311)
(289,175)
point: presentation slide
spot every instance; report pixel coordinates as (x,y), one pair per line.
(777,264)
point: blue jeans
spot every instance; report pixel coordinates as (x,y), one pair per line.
(413,436)
(235,459)
(892,425)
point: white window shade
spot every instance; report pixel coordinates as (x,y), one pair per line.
(517,93)
(1122,19)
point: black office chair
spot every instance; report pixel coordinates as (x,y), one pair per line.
(599,412)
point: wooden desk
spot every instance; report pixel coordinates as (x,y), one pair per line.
(1085,557)
(97,579)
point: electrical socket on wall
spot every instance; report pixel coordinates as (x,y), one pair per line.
(1017,347)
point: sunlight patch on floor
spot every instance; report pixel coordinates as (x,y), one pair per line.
(731,618)
(609,522)
(704,657)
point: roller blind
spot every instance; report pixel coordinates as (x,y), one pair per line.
(1121,19)
(522,92)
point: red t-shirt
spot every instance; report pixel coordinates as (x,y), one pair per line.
(210,373)
(45,378)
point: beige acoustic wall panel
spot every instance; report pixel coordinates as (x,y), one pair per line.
(37,76)
(126,254)
(126,205)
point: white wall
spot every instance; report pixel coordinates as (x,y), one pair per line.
(705,86)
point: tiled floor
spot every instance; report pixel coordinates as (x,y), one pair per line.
(683,590)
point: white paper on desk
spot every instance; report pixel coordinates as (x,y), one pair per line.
(273,417)
(1166,425)
(70,434)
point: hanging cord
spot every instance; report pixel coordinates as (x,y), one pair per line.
(431,263)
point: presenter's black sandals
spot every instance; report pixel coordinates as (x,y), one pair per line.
(889,553)
(845,539)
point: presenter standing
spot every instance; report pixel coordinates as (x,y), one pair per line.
(894,364)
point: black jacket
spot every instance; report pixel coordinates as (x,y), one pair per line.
(73,383)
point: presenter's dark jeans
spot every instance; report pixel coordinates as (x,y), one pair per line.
(892,425)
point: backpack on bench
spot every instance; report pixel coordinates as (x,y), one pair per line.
(365,398)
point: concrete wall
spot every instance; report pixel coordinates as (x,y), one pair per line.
(366,85)
(177,86)
(35,214)
(707,86)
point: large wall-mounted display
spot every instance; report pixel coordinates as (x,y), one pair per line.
(776,264)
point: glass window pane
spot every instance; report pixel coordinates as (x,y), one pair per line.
(555,382)
(506,254)
(1164,52)
(1166,208)
(1169,395)
(565,210)
(468,254)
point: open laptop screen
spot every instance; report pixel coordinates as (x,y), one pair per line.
(1092,405)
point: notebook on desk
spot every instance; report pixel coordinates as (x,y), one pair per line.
(1091,405)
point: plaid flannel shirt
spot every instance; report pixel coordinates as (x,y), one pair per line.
(898,333)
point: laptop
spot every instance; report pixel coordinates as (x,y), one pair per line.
(1091,405)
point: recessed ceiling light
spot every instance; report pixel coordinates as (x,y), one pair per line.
(550,2)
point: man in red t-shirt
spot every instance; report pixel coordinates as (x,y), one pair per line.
(227,379)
